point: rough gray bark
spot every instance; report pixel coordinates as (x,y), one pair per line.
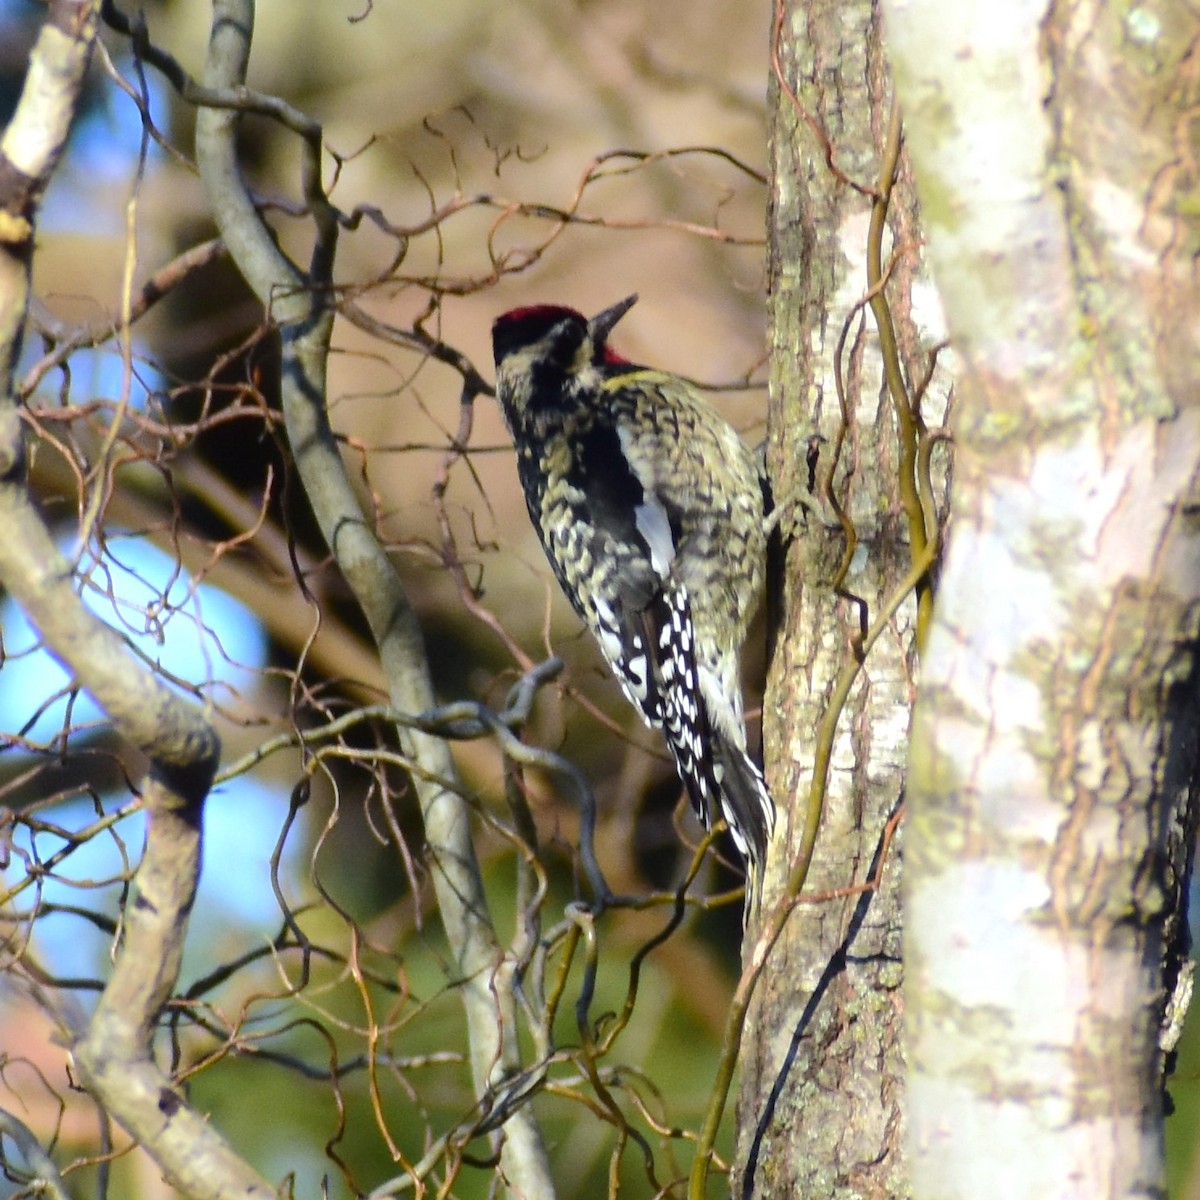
(822,1087)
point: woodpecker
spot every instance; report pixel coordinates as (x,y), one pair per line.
(651,511)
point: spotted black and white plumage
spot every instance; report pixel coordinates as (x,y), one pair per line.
(650,510)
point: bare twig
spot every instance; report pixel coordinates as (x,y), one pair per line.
(112,1052)
(45,1174)
(301,304)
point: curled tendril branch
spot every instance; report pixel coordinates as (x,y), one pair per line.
(553,967)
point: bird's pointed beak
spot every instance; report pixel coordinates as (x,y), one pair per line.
(601,325)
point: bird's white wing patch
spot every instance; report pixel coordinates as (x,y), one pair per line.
(650,517)
(655,526)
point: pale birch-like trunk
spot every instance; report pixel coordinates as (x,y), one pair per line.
(1051,816)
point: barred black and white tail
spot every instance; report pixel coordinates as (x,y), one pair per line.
(706,736)
(745,801)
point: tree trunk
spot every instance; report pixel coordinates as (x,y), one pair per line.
(1051,797)
(822,1084)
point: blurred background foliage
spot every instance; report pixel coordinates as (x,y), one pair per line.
(465,133)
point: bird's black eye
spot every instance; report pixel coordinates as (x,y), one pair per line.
(565,341)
